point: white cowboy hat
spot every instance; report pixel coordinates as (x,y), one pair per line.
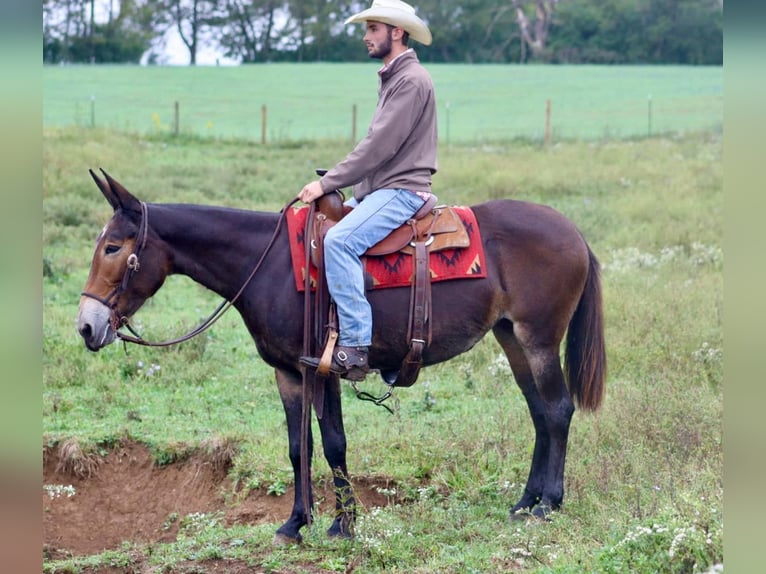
(396,13)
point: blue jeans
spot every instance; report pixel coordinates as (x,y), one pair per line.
(371,220)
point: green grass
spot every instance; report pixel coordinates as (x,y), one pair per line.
(644,475)
(314,101)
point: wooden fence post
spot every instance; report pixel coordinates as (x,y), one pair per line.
(547,122)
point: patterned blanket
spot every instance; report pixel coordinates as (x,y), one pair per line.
(396,269)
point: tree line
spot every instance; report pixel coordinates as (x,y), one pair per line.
(468,31)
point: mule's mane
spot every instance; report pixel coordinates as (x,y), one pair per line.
(214,223)
(216,246)
(211,211)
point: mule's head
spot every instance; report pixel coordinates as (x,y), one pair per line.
(128,267)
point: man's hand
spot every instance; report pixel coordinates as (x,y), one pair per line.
(310,192)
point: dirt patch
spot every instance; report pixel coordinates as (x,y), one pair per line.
(127,497)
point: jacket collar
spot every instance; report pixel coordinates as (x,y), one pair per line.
(387,71)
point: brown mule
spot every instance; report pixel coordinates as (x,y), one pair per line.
(542,288)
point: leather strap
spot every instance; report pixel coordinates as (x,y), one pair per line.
(420,310)
(326,360)
(307,378)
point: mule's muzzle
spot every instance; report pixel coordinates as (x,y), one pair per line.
(94,324)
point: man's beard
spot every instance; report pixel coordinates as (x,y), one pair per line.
(384,49)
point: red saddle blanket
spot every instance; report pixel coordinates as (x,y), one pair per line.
(396,269)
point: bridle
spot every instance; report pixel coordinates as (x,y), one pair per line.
(133,265)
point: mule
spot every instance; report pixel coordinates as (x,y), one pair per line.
(542,284)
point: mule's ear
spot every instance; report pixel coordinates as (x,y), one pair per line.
(106,190)
(125,199)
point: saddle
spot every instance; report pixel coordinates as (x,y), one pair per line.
(432,228)
(438,225)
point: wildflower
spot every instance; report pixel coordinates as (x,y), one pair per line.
(56,490)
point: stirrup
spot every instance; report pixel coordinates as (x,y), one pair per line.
(356,371)
(365,396)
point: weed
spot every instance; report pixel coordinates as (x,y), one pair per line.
(75,460)
(170,453)
(663,548)
(196,522)
(170,521)
(220,451)
(277,488)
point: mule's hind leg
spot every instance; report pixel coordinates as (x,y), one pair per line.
(290,391)
(538,373)
(533,490)
(334,444)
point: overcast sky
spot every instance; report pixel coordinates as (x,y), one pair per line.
(173,52)
(170,48)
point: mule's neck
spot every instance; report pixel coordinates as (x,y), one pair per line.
(217,247)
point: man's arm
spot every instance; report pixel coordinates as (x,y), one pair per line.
(311,191)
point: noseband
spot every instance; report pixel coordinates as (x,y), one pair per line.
(132,267)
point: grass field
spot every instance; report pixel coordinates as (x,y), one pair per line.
(314,101)
(644,478)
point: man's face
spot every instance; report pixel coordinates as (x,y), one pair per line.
(378,39)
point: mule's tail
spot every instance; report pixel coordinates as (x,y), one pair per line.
(585,356)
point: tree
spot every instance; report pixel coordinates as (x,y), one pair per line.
(683,30)
(249,31)
(534,19)
(468,31)
(62,21)
(597,31)
(194,20)
(558,31)
(72,34)
(637,31)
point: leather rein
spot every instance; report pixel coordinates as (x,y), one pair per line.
(133,265)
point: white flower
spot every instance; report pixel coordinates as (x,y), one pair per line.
(56,490)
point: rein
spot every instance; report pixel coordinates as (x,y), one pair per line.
(133,265)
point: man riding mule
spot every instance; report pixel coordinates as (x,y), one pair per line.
(540,287)
(390,170)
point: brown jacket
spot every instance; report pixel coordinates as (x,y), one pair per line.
(399,150)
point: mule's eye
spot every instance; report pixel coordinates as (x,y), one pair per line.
(111,249)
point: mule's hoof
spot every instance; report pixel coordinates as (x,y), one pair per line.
(341,534)
(536,514)
(520,515)
(342,527)
(285,540)
(543,512)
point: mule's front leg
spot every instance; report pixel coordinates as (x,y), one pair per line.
(334,443)
(290,391)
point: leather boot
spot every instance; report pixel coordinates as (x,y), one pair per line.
(348,362)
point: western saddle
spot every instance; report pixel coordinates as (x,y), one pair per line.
(431,229)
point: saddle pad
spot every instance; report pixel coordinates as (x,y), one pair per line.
(396,269)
